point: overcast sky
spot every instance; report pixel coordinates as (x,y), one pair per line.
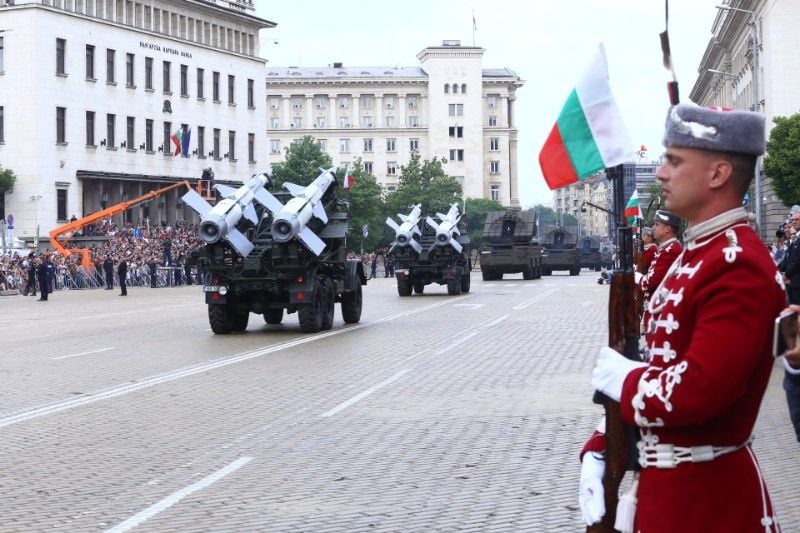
(547,42)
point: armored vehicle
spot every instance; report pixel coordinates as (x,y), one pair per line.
(590,253)
(510,245)
(269,254)
(560,251)
(430,253)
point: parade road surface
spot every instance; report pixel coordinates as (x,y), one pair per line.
(434,413)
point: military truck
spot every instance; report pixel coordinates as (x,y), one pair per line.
(510,245)
(430,252)
(285,253)
(590,253)
(560,251)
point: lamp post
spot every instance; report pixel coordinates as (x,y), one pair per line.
(35,198)
(756,99)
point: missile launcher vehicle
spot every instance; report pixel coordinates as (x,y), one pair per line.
(510,245)
(590,253)
(560,250)
(274,253)
(433,252)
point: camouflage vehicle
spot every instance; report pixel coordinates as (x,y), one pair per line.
(590,253)
(288,256)
(426,252)
(510,245)
(560,251)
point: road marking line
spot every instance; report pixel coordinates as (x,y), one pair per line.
(496,321)
(456,343)
(533,300)
(197,369)
(470,306)
(358,397)
(82,353)
(177,496)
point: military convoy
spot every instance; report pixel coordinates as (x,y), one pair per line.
(560,250)
(590,253)
(510,245)
(273,253)
(434,252)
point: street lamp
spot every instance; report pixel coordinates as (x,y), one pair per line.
(35,198)
(756,99)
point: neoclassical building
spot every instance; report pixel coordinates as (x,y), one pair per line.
(88,122)
(449,106)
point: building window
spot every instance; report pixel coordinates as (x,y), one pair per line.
(493,120)
(494,167)
(343,102)
(297,103)
(463,88)
(61,125)
(184,80)
(297,122)
(89,61)
(90,128)
(61,204)
(344,146)
(201,142)
(231,145)
(130,130)
(391,145)
(274,123)
(110,65)
(461,180)
(366,122)
(495,192)
(148,135)
(251,98)
(412,102)
(320,122)
(166,147)
(111,121)
(388,101)
(344,122)
(455,110)
(389,122)
(274,146)
(491,101)
(456,131)
(367,145)
(215,152)
(61,50)
(446,88)
(413,121)
(368,167)
(366,102)
(455,88)
(2,125)
(167,67)
(391,188)
(200,82)
(494,144)
(251,147)
(231,89)
(457,155)
(148,73)
(413,145)
(391,168)
(129,58)
(274,102)
(2,54)
(215,86)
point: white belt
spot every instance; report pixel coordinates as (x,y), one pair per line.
(670,456)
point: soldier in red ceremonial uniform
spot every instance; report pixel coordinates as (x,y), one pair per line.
(709,359)
(650,248)
(665,230)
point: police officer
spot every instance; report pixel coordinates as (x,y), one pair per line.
(42,272)
(122,273)
(108,269)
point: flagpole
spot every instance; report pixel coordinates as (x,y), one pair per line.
(474,27)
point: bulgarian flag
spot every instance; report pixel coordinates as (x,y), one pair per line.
(632,210)
(589,134)
(177,140)
(349,179)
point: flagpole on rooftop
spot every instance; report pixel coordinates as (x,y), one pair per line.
(474,27)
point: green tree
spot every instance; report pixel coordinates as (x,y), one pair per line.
(549,216)
(366,209)
(7,179)
(424,182)
(475,211)
(782,164)
(657,199)
(301,166)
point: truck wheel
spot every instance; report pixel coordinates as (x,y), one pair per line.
(547,271)
(454,286)
(218,319)
(575,271)
(273,316)
(403,287)
(310,314)
(538,273)
(465,282)
(528,273)
(488,275)
(239,320)
(351,305)
(330,301)
(419,287)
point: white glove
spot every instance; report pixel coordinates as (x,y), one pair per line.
(590,493)
(637,277)
(610,371)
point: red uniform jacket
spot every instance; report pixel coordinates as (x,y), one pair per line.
(709,353)
(665,255)
(650,251)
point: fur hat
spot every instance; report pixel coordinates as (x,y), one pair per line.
(670,219)
(703,128)
(647,231)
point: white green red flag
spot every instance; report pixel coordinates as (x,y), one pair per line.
(589,134)
(349,178)
(632,210)
(177,140)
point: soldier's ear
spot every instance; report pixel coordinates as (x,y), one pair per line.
(721,172)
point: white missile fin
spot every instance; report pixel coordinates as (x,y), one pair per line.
(239,242)
(415,245)
(392,224)
(250,214)
(296,190)
(196,202)
(319,212)
(415,230)
(312,242)
(266,199)
(441,216)
(432,223)
(402,217)
(224,190)
(455,244)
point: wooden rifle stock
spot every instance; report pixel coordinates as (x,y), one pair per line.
(623,336)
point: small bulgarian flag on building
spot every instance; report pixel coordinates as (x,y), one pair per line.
(589,134)
(632,210)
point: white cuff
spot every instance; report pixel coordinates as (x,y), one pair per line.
(789,368)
